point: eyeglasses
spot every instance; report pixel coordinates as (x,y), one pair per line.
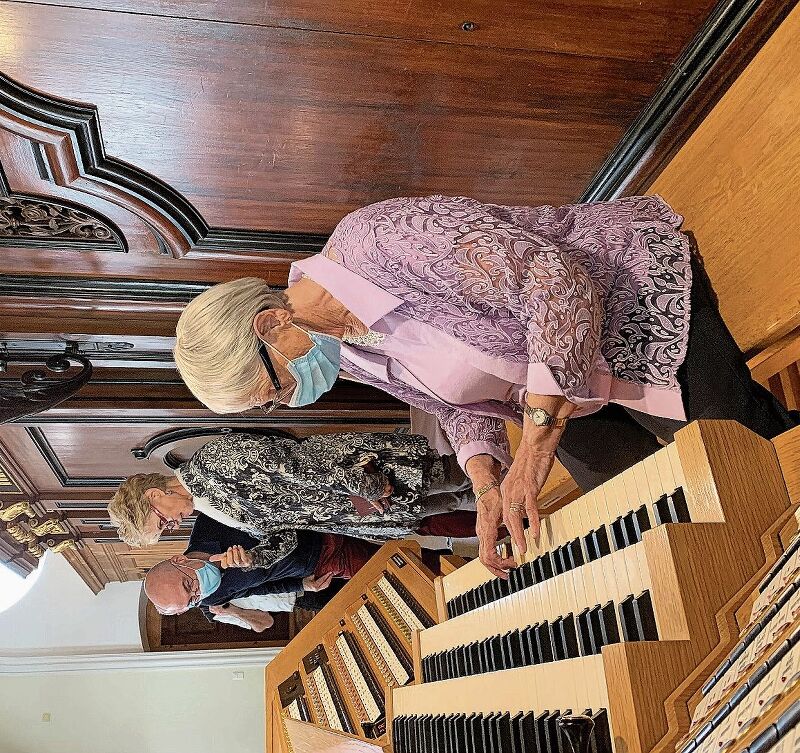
(273,377)
(167,524)
(192,585)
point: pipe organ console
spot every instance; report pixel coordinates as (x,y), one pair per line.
(673,587)
(609,613)
(337,672)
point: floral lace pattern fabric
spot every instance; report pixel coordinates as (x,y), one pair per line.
(274,485)
(580,288)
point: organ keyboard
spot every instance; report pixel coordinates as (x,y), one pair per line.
(337,671)
(608,613)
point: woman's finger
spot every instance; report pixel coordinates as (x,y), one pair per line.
(534,524)
(377,505)
(512,517)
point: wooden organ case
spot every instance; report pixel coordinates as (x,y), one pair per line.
(337,672)
(611,611)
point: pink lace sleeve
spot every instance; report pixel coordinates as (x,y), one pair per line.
(469,433)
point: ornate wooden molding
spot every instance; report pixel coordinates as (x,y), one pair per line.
(64,142)
(36,222)
(172,436)
(35,532)
(37,390)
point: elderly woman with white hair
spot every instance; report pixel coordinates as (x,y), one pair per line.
(375,486)
(593,326)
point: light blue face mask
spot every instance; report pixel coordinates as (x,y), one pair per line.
(209,577)
(315,372)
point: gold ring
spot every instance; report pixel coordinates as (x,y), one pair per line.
(517,508)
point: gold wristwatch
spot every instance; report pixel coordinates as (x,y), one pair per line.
(541,417)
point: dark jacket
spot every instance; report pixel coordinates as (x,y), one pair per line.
(285,576)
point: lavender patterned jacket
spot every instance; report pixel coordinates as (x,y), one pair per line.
(590,299)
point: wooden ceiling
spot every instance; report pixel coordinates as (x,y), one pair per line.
(286,115)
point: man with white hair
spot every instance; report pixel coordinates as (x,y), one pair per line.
(216,574)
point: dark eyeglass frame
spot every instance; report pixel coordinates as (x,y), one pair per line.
(273,377)
(168,524)
(194,598)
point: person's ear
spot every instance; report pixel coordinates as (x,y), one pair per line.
(179,559)
(269,319)
(153,494)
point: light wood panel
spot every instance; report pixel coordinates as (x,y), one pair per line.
(787,445)
(736,183)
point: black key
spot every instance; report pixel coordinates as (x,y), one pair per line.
(473,733)
(591,547)
(576,553)
(679,506)
(601,541)
(491,740)
(515,580)
(516,649)
(632,535)
(546,565)
(627,615)
(608,624)
(529,645)
(426,669)
(527,732)
(475,661)
(559,566)
(454,739)
(559,646)
(619,534)
(461,661)
(661,507)
(641,522)
(570,636)
(504,733)
(541,733)
(515,725)
(450,664)
(496,652)
(552,733)
(585,633)
(544,641)
(643,606)
(528,577)
(602,732)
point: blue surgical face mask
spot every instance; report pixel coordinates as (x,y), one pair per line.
(315,372)
(209,577)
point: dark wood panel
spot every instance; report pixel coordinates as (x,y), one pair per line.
(279,129)
(627,29)
(191,630)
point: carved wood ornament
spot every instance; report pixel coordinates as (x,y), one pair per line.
(58,186)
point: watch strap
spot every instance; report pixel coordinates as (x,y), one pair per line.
(552,421)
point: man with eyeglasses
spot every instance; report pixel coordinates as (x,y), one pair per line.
(216,575)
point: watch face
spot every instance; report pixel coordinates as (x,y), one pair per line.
(539,416)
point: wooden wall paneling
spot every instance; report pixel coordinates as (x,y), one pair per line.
(730,37)
(507,23)
(736,179)
(317,124)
